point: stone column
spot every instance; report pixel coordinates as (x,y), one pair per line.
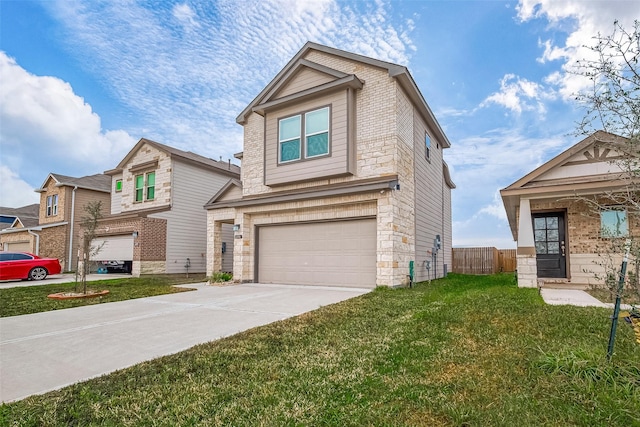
(526,251)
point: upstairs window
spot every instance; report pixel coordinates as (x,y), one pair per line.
(317,132)
(613,223)
(427,146)
(118,185)
(151,185)
(145,186)
(52,205)
(313,125)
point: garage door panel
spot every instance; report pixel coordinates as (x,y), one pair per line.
(114,248)
(19,247)
(340,253)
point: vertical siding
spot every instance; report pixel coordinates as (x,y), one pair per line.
(335,164)
(192,187)
(432,205)
(116,198)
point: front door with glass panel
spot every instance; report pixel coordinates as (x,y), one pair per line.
(549,236)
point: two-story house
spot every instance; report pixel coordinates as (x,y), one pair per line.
(57,232)
(156,222)
(343,179)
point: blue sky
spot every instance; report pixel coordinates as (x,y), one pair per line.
(82,81)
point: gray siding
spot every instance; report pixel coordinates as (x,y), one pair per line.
(116,198)
(192,187)
(304,79)
(432,205)
(334,165)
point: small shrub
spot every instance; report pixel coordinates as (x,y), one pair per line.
(220,276)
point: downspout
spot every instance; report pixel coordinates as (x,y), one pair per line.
(73,214)
(37,241)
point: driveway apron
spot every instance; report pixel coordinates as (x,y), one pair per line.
(46,351)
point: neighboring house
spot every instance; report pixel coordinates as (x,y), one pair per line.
(558,232)
(157,222)
(25,216)
(343,180)
(56,233)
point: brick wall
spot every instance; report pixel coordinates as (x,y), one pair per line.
(54,243)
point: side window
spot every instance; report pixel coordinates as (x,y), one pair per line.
(5,257)
(118,185)
(613,223)
(427,146)
(17,257)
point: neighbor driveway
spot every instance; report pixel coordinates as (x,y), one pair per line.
(46,351)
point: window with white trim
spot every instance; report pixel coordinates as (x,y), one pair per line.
(613,223)
(312,128)
(145,186)
(52,205)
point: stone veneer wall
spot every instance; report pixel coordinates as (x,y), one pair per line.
(23,236)
(54,243)
(147,153)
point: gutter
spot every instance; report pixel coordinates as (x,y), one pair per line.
(37,240)
(73,214)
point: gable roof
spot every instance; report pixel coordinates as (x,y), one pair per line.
(26,215)
(224,167)
(97,182)
(229,186)
(399,72)
(531,185)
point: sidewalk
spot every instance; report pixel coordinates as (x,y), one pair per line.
(59,278)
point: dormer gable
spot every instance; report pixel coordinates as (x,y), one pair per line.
(303,81)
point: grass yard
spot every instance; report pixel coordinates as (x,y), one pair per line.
(462,351)
(33,299)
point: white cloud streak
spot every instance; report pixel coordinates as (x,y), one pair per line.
(44,123)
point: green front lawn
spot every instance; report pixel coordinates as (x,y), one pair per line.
(33,299)
(466,350)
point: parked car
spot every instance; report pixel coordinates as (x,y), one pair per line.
(23,265)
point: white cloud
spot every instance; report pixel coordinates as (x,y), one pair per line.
(44,123)
(186,15)
(201,80)
(582,21)
(14,192)
(519,94)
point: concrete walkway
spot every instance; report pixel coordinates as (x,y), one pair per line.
(46,351)
(574,297)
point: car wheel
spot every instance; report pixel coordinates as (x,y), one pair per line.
(37,273)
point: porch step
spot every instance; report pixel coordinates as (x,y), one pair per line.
(561,284)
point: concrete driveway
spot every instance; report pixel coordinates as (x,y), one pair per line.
(59,278)
(46,351)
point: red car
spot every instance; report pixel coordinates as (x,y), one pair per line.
(23,265)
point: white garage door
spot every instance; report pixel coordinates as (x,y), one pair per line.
(114,248)
(19,247)
(339,253)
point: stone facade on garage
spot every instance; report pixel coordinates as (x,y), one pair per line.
(563,185)
(385,174)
